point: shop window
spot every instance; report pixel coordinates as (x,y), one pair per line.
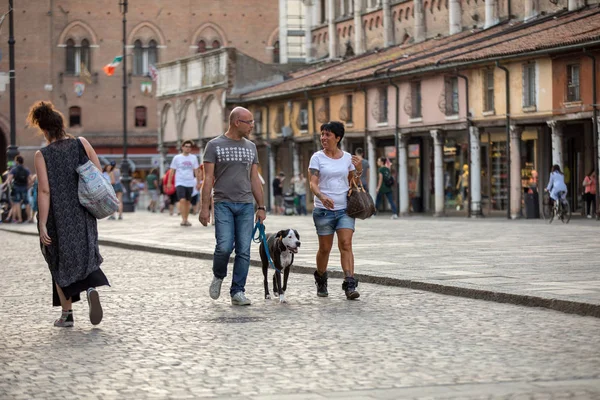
(382,115)
(303,116)
(140,116)
(144,56)
(74,117)
(258,122)
(488,77)
(529,77)
(77,55)
(201,46)
(451,96)
(573,93)
(415,99)
(349,110)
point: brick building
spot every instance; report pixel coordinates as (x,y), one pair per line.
(54,38)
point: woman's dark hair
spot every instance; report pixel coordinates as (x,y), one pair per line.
(335,127)
(383,160)
(43,115)
(592,171)
(187,142)
(19,160)
(153,171)
(556,168)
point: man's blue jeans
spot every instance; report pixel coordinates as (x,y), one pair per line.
(234,223)
(390,197)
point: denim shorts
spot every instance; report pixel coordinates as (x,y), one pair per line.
(19,195)
(328,222)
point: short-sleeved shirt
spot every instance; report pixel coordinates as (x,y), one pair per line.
(385,172)
(277,189)
(150,179)
(185,167)
(333,178)
(16,171)
(233,160)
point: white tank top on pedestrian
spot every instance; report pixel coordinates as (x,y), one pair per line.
(333,178)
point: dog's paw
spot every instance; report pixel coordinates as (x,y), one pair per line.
(282,298)
(267,297)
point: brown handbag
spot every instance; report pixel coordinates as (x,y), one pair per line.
(360,203)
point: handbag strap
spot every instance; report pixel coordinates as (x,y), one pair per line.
(83,157)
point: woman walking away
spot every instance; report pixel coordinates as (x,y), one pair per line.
(590,192)
(331,171)
(68,232)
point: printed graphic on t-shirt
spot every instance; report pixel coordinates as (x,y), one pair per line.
(240,154)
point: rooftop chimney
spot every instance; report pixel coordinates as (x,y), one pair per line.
(455,17)
(388,25)
(419,27)
(532,9)
(491,13)
(576,4)
(358,28)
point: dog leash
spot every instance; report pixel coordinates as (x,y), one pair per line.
(262,237)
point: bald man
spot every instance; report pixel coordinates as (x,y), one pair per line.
(231,167)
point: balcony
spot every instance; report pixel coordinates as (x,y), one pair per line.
(197,72)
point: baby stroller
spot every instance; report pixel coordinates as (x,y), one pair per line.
(289,206)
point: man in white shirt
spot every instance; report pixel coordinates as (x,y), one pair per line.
(186,168)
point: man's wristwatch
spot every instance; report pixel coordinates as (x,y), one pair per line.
(262,208)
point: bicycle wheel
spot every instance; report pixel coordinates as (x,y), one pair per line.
(546,211)
(566,212)
(551,214)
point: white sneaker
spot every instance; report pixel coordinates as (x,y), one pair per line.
(215,288)
(240,299)
(395,216)
(589,216)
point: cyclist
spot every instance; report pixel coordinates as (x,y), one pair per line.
(556,186)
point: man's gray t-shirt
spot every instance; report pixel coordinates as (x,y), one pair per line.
(233,161)
(365,173)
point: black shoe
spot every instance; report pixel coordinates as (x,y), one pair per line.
(321,282)
(349,286)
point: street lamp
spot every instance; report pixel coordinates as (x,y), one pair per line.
(125,177)
(13,150)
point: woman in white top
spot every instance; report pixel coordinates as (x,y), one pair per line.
(331,170)
(556,185)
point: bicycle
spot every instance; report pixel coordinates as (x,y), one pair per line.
(561,209)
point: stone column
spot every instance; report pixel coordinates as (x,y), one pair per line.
(308,14)
(403,175)
(296,158)
(516,191)
(317,17)
(532,9)
(359,48)
(332,32)
(200,151)
(373,174)
(454,12)
(419,24)
(271,175)
(283,33)
(438,170)
(475,174)
(162,152)
(557,143)
(388,25)
(491,13)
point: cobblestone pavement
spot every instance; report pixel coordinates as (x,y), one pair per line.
(163,337)
(523,257)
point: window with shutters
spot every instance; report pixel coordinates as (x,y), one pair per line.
(74,117)
(415,99)
(382,115)
(76,55)
(349,109)
(303,116)
(529,84)
(573,92)
(140,116)
(451,96)
(144,56)
(488,87)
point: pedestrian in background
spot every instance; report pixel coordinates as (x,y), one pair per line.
(114,175)
(364,178)
(185,166)
(68,232)
(168,184)
(331,171)
(299,182)
(231,167)
(20,178)
(384,186)
(278,193)
(152,189)
(33,198)
(589,183)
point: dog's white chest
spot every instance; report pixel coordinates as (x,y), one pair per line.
(286,259)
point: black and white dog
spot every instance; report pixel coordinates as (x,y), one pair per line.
(282,247)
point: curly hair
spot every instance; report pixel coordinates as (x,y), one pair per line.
(51,122)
